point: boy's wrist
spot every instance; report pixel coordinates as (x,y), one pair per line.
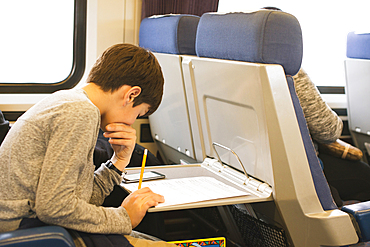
(111,166)
(119,164)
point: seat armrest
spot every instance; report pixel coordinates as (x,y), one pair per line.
(39,236)
(360,214)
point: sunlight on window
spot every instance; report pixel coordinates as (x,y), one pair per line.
(36,43)
(325,25)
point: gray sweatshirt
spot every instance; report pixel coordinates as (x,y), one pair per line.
(47,169)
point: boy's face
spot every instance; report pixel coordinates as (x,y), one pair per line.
(125,114)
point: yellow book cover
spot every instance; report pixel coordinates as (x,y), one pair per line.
(209,242)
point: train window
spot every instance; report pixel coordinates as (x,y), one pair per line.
(325,25)
(42,46)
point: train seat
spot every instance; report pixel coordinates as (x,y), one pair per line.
(169,36)
(241,88)
(39,236)
(357,69)
(233,39)
(361,215)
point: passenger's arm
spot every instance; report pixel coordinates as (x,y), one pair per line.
(66,180)
(323,123)
(104,181)
(122,139)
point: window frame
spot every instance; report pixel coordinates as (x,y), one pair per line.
(78,64)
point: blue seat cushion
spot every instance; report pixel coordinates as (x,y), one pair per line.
(358,45)
(39,236)
(173,34)
(361,213)
(264,36)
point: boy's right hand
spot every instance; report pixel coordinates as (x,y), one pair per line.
(138,203)
(122,139)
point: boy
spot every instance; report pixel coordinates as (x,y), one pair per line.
(46,160)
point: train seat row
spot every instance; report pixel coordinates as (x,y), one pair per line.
(236,89)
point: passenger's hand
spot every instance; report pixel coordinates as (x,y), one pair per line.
(122,139)
(138,203)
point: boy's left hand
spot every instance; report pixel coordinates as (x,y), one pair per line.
(122,139)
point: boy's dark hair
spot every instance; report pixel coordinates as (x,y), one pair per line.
(126,64)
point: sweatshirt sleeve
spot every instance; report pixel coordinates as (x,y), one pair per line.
(104,181)
(67,182)
(323,123)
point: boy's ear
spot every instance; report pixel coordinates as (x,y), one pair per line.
(132,93)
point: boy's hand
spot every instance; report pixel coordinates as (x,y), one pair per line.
(122,139)
(138,202)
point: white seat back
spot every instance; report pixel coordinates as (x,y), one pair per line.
(357,68)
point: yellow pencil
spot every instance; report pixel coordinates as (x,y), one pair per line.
(143,167)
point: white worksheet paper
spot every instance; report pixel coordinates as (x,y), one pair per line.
(188,190)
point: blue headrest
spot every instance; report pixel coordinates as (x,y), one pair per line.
(358,45)
(264,36)
(174,34)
